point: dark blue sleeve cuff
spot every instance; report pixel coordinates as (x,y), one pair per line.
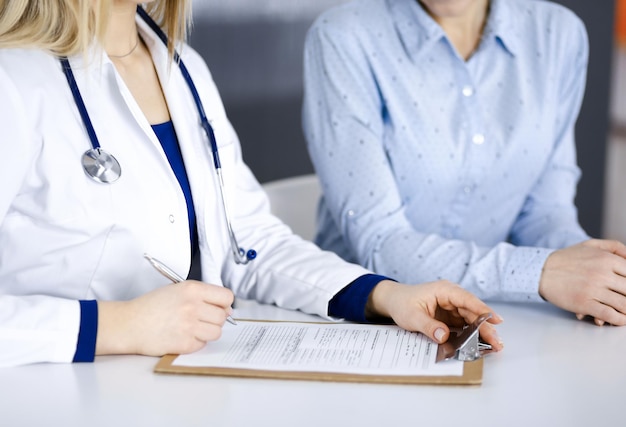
(86,346)
(349,303)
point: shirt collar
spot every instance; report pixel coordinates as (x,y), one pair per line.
(419,31)
(416,29)
(502,26)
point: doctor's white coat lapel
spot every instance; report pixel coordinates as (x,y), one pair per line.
(194,146)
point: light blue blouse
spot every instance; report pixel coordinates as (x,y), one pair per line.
(434,167)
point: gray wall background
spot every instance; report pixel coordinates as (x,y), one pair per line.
(254,50)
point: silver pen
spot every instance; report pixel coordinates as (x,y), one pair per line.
(171,274)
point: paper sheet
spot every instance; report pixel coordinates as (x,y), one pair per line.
(325,347)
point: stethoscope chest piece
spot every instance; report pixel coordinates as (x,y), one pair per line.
(101,166)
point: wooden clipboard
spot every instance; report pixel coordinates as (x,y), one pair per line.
(472,373)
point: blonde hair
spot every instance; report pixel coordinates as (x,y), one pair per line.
(68,27)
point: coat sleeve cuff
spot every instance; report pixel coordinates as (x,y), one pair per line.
(349,303)
(86,345)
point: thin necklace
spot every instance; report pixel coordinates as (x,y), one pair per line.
(126,54)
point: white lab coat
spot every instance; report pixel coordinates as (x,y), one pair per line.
(64,237)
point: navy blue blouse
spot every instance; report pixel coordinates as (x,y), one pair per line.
(166,134)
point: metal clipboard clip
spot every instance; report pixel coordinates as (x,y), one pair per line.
(465,344)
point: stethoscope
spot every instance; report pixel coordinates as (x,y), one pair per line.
(104,168)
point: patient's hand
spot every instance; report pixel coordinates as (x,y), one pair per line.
(588,279)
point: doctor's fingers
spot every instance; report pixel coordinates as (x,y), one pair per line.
(203,303)
(192,332)
(197,339)
(209,294)
(206,332)
(212,314)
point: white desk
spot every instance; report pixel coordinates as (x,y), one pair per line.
(554,371)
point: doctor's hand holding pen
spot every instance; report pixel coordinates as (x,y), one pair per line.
(174,319)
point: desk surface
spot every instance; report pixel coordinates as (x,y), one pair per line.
(554,371)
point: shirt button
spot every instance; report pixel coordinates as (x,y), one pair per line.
(468,91)
(350,212)
(478,139)
(172,219)
(467,189)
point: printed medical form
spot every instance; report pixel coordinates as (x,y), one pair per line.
(322,347)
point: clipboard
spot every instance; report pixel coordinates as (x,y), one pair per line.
(472,373)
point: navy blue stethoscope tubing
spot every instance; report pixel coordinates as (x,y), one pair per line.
(241,256)
(67,70)
(192,87)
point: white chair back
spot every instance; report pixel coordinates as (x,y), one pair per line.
(294,200)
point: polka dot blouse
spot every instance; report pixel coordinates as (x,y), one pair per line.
(436,167)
